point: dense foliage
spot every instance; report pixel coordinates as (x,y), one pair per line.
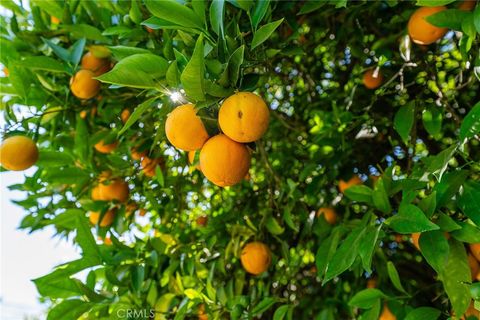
(173,249)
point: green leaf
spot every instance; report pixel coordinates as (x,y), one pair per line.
(138,275)
(380,197)
(79,31)
(263,306)
(410,219)
(394,277)
(61,288)
(438,164)
(429,204)
(136,71)
(468,233)
(175,12)
(69,310)
(360,193)
(311,5)
(433,3)
(446,223)
(217,9)
(471,123)
(451,18)
(121,52)
(137,113)
(264,32)
(280,312)
(432,120)
(192,76)
(455,277)
(69,175)
(368,246)
(258,12)
(449,186)
(403,121)
(423,313)
(469,201)
(51,7)
(366,298)
(476,18)
(54,158)
(42,63)
(82,147)
(86,241)
(435,249)
(273,226)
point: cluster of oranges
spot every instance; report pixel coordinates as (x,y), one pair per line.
(224,158)
(421,32)
(82,84)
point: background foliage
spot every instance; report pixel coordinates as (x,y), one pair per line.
(416,137)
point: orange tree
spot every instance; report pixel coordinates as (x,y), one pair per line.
(345,187)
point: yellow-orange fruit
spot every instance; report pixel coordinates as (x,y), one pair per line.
(125,115)
(471,312)
(107,219)
(18,153)
(344,185)
(97,65)
(415,240)
(467,5)
(105,148)
(115,189)
(244,117)
(329,214)
(202,220)
(184,129)
(54,20)
(201,312)
(149,165)
(474,267)
(420,30)
(138,155)
(475,249)
(387,314)
(256,257)
(6,72)
(372,79)
(83,114)
(83,85)
(223,161)
(107,241)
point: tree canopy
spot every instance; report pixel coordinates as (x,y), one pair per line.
(362,197)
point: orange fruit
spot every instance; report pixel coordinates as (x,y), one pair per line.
(467,5)
(83,85)
(415,240)
(202,220)
(329,214)
(244,117)
(125,115)
(149,165)
(138,155)
(18,153)
(372,283)
(191,159)
(54,20)
(83,114)
(107,219)
(201,312)
(130,209)
(6,72)
(115,189)
(184,129)
(420,30)
(97,65)
(142,212)
(105,148)
(256,257)
(387,314)
(344,185)
(372,79)
(223,161)
(474,266)
(472,312)
(475,249)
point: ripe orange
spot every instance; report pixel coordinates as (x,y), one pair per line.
(344,185)
(105,148)
(97,65)
(107,219)
(415,240)
(420,30)
(125,115)
(475,249)
(372,79)
(54,20)
(201,312)
(244,117)
(202,221)
(114,189)
(223,161)
(83,85)
(107,241)
(256,257)
(474,266)
(329,214)
(387,314)
(18,153)
(184,129)
(467,5)
(149,165)
(83,114)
